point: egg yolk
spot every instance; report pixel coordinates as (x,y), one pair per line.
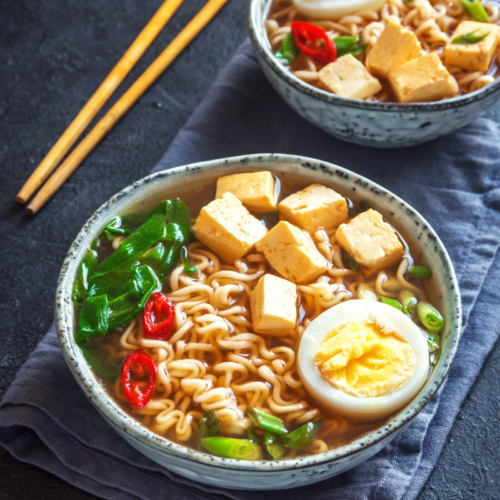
(366,359)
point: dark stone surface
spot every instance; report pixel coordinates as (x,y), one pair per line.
(53,54)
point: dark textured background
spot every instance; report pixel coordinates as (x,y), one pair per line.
(53,54)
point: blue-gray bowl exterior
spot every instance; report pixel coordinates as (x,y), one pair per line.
(222,472)
(383,125)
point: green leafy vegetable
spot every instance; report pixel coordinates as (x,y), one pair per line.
(274,445)
(469,38)
(288,50)
(350,261)
(208,426)
(93,318)
(125,308)
(409,302)
(303,436)
(238,449)
(266,421)
(349,45)
(475,10)
(88,265)
(188,269)
(109,369)
(392,302)
(430,317)
(418,272)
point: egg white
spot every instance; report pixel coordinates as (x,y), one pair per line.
(330,398)
(334,9)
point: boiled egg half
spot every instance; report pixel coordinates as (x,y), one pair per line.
(334,9)
(363,359)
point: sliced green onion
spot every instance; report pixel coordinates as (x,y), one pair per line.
(434,345)
(430,317)
(274,445)
(475,10)
(237,449)
(288,50)
(392,302)
(350,261)
(365,292)
(303,436)
(188,269)
(253,436)
(409,302)
(418,272)
(349,45)
(266,421)
(208,426)
(469,38)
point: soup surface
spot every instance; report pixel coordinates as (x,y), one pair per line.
(200,339)
(466,46)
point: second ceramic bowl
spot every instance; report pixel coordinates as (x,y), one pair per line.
(382,125)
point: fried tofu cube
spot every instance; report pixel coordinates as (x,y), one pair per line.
(314,207)
(292,253)
(372,242)
(423,80)
(395,46)
(228,228)
(348,77)
(274,306)
(256,190)
(475,56)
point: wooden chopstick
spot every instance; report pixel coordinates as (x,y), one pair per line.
(97,101)
(130,97)
(161,63)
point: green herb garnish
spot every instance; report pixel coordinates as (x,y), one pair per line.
(475,10)
(349,45)
(469,38)
(288,50)
(350,261)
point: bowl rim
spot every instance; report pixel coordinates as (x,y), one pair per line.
(255,26)
(111,411)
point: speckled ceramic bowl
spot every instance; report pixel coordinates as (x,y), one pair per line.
(383,125)
(222,472)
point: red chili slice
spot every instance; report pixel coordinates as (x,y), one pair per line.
(314,42)
(158,317)
(138,363)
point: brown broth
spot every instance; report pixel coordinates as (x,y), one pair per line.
(197,197)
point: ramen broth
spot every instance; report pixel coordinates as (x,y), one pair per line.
(336,430)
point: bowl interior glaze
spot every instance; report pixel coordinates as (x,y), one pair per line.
(147,191)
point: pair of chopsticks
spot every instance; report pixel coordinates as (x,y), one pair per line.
(103,93)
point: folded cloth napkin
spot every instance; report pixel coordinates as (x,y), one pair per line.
(453,182)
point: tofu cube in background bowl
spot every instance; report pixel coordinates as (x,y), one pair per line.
(395,46)
(475,56)
(423,79)
(370,122)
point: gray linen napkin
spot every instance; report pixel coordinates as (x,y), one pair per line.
(454,182)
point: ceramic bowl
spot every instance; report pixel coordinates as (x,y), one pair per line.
(227,473)
(383,125)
